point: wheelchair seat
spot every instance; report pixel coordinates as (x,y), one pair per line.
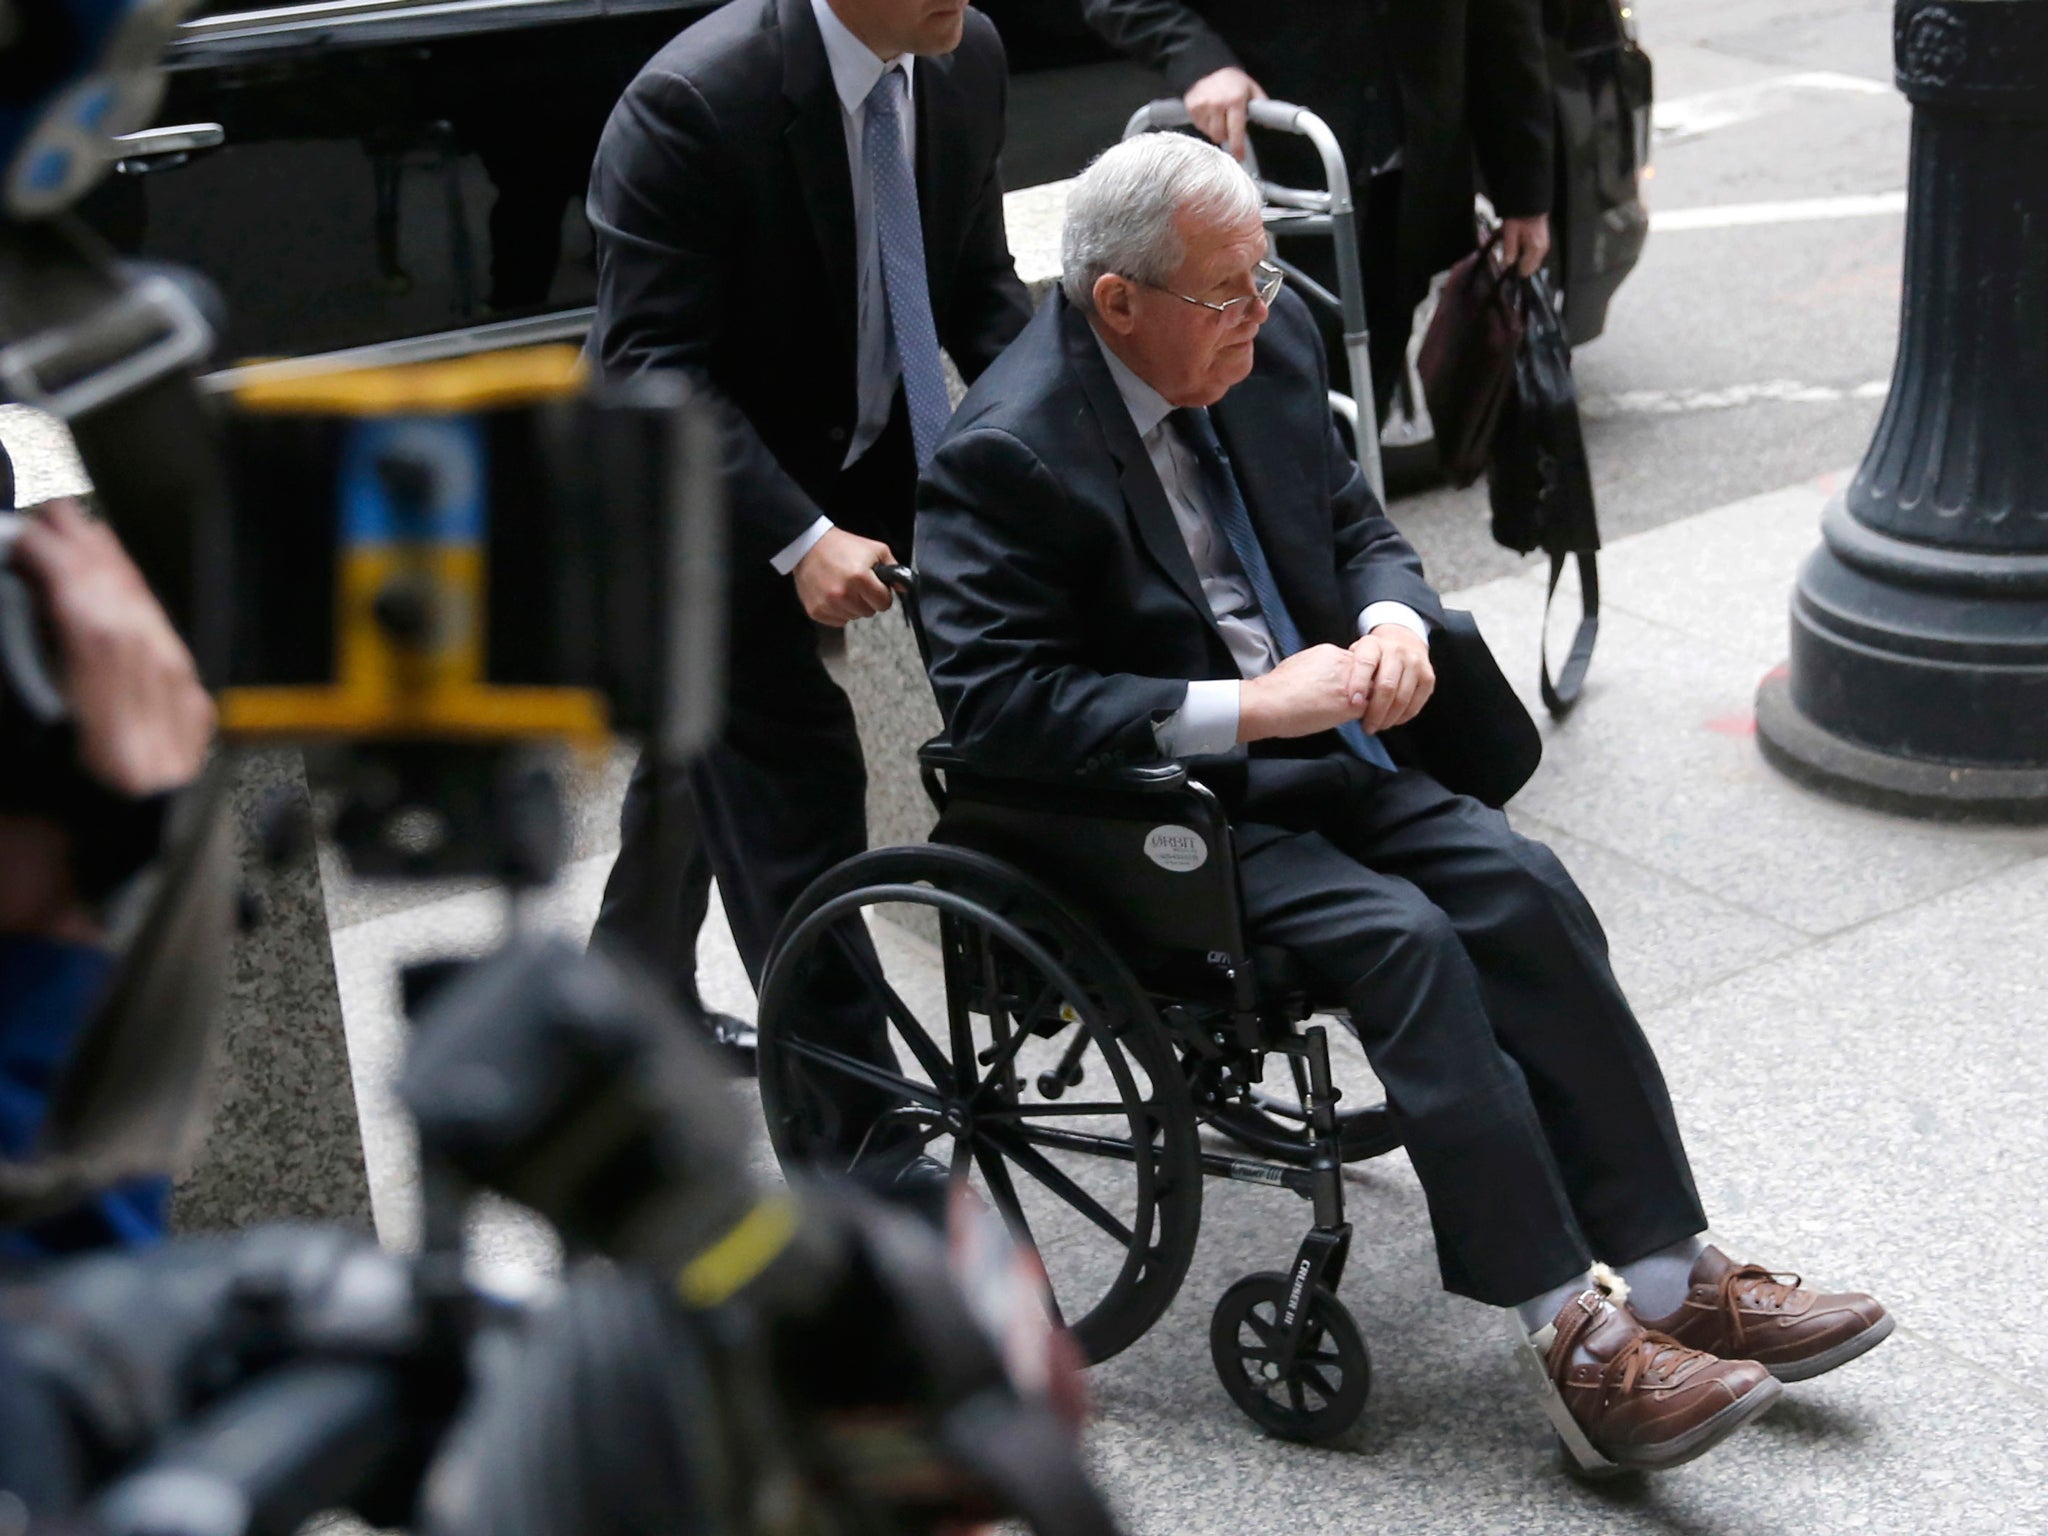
(1146,852)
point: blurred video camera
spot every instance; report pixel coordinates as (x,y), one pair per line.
(751,1360)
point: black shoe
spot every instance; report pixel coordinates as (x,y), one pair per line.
(735,1040)
(921,1185)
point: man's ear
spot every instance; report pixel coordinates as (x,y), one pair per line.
(1114,297)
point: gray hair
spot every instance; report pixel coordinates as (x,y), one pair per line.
(1121,211)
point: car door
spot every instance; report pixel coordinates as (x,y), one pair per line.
(351,172)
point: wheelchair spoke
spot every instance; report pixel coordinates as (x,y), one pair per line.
(1294,1394)
(865,1072)
(1320,1382)
(1004,1189)
(1080,1110)
(921,1044)
(959,1023)
(1048,1173)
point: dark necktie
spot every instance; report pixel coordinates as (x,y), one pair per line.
(901,237)
(1226,503)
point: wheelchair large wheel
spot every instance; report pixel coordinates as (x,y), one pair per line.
(1025,1060)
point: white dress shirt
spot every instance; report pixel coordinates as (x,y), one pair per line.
(1206,722)
(855,70)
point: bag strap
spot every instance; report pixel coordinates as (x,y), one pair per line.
(1561,695)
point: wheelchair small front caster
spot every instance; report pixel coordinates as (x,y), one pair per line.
(1323,1392)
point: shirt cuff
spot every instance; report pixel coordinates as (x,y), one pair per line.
(1206,722)
(805,542)
(1375,614)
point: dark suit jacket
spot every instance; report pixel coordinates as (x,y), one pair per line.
(1063,611)
(1472,77)
(723,210)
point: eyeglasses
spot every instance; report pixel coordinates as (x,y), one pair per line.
(1266,281)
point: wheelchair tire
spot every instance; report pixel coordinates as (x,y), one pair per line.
(1104,1182)
(1325,1391)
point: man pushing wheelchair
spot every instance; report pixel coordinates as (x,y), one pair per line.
(1142,539)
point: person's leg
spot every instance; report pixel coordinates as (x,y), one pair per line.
(783,797)
(1506,1233)
(1540,962)
(1504,1226)
(660,885)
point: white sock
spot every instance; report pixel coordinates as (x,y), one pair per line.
(1658,1282)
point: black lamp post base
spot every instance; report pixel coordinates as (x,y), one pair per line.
(1848,770)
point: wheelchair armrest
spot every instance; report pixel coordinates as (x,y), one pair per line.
(939,756)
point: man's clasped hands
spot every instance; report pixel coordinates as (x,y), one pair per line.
(1380,680)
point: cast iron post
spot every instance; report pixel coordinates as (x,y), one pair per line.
(1918,678)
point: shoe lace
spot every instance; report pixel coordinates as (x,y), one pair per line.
(1753,1286)
(1652,1357)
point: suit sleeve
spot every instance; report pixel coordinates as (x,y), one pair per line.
(1002,592)
(1163,35)
(1507,98)
(658,194)
(991,304)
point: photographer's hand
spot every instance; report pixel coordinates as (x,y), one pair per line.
(143,720)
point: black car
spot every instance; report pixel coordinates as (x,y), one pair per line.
(356,172)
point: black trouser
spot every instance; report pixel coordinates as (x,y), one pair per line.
(779,799)
(660,885)
(1476,974)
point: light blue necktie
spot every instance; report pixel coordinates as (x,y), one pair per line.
(1227,503)
(901,237)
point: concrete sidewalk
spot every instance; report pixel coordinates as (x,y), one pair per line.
(1844,1004)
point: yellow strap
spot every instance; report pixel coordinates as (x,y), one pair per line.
(487,381)
(736,1258)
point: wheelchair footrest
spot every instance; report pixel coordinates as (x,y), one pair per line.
(1579,1453)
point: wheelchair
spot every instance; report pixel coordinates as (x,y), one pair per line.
(1075,1001)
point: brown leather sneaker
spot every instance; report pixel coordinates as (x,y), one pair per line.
(1744,1312)
(1646,1401)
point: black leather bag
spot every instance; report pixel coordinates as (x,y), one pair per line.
(1540,484)
(1475,737)
(1467,361)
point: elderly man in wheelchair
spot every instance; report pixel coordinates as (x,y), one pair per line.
(1219,761)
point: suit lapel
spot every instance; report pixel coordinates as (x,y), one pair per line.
(816,137)
(1143,495)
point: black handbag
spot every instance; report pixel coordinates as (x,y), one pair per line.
(1540,484)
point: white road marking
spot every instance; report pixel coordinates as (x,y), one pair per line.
(1688,117)
(1796,210)
(1679,402)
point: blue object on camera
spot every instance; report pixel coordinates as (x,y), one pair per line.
(48,990)
(73,75)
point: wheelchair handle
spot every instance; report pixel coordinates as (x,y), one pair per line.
(902,580)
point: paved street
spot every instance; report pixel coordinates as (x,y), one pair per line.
(1846,1004)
